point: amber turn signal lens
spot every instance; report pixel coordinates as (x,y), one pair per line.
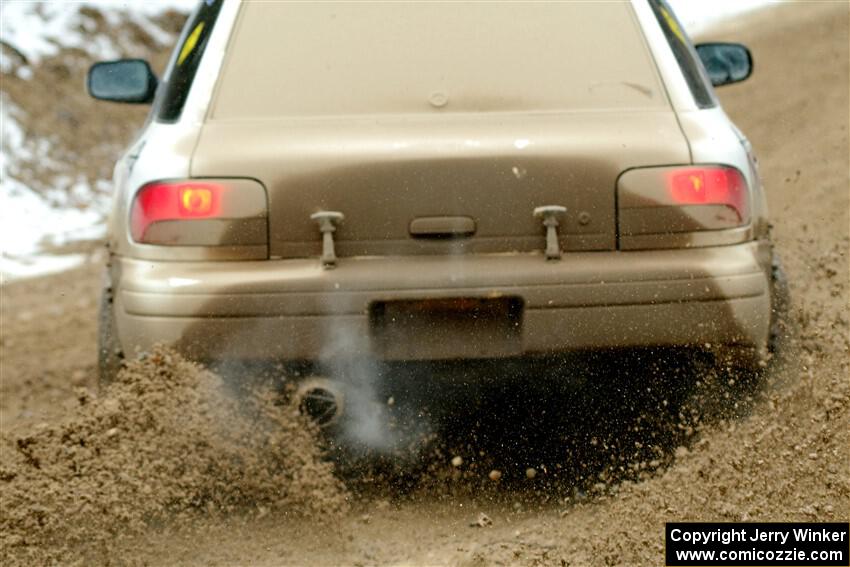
(195,201)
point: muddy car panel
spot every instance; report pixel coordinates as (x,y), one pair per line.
(437,169)
(294,309)
(385,175)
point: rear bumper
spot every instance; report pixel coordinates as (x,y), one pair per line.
(295,310)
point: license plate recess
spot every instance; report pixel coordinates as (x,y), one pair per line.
(447,328)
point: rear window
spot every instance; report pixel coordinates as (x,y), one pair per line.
(187,59)
(685,54)
(297,59)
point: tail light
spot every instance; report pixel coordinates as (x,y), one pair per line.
(682,206)
(227,212)
(721,186)
(167,201)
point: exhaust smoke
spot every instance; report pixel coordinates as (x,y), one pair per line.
(371,423)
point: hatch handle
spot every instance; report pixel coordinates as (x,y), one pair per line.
(551,215)
(327,221)
(442,227)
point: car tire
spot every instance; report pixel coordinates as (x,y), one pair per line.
(747,366)
(780,303)
(750,364)
(110,357)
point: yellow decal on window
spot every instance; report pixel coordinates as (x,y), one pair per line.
(190,43)
(673,25)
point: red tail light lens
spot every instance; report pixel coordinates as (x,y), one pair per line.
(710,186)
(201,219)
(165,201)
(682,206)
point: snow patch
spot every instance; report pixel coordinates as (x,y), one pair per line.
(31,223)
(39,29)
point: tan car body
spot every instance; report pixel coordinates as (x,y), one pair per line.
(439,254)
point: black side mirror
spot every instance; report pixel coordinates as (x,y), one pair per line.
(125,80)
(726,63)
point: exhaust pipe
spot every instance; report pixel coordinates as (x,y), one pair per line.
(321,400)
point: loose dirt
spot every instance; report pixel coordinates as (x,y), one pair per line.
(776,452)
(167,441)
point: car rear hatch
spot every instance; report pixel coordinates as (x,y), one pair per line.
(440,184)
